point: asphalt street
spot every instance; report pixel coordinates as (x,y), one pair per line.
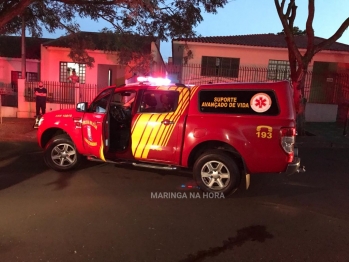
(105,213)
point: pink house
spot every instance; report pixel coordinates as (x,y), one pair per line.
(265,56)
(229,53)
(56,65)
(11,62)
(48,60)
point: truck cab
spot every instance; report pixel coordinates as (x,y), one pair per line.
(136,122)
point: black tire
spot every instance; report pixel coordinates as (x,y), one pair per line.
(216,171)
(60,154)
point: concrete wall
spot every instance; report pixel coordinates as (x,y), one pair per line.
(15,64)
(7,111)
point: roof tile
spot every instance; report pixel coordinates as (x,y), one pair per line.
(103,41)
(11,46)
(262,40)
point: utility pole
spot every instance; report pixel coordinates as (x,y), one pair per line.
(24,60)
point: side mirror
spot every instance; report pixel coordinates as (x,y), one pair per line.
(81,107)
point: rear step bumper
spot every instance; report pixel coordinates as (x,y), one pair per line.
(295,167)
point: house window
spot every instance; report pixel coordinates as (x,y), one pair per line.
(67,68)
(30,77)
(278,70)
(220,66)
(15,75)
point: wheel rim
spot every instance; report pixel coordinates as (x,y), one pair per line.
(215,175)
(63,155)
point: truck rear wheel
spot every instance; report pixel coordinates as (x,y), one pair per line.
(215,171)
(60,153)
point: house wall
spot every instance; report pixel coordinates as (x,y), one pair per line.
(159,65)
(15,64)
(52,56)
(7,111)
(251,55)
(117,75)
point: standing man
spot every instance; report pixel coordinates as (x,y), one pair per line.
(40,98)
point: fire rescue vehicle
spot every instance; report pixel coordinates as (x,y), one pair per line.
(222,132)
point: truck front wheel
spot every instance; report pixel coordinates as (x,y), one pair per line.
(60,153)
(215,171)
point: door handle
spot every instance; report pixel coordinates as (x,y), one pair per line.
(167,122)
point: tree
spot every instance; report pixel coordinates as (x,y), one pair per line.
(295,31)
(299,62)
(161,19)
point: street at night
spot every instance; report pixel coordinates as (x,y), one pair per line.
(174,131)
(101,212)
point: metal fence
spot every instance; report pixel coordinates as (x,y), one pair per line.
(326,88)
(65,94)
(195,74)
(9,96)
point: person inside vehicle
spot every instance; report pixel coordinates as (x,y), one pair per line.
(167,105)
(149,103)
(129,103)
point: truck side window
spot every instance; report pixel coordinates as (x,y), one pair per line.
(99,105)
(155,101)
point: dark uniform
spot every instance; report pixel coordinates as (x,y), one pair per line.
(40,100)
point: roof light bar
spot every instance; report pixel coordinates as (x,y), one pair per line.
(153,80)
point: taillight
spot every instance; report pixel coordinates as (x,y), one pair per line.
(288,135)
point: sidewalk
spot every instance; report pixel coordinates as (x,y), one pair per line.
(323,135)
(17,129)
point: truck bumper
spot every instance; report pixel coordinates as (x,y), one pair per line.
(294,167)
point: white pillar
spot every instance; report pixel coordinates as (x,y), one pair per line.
(77,93)
(25,109)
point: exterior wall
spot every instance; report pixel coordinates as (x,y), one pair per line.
(7,111)
(117,77)
(159,65)
(15,64)
(52,56)
(251,55)
(49,70)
